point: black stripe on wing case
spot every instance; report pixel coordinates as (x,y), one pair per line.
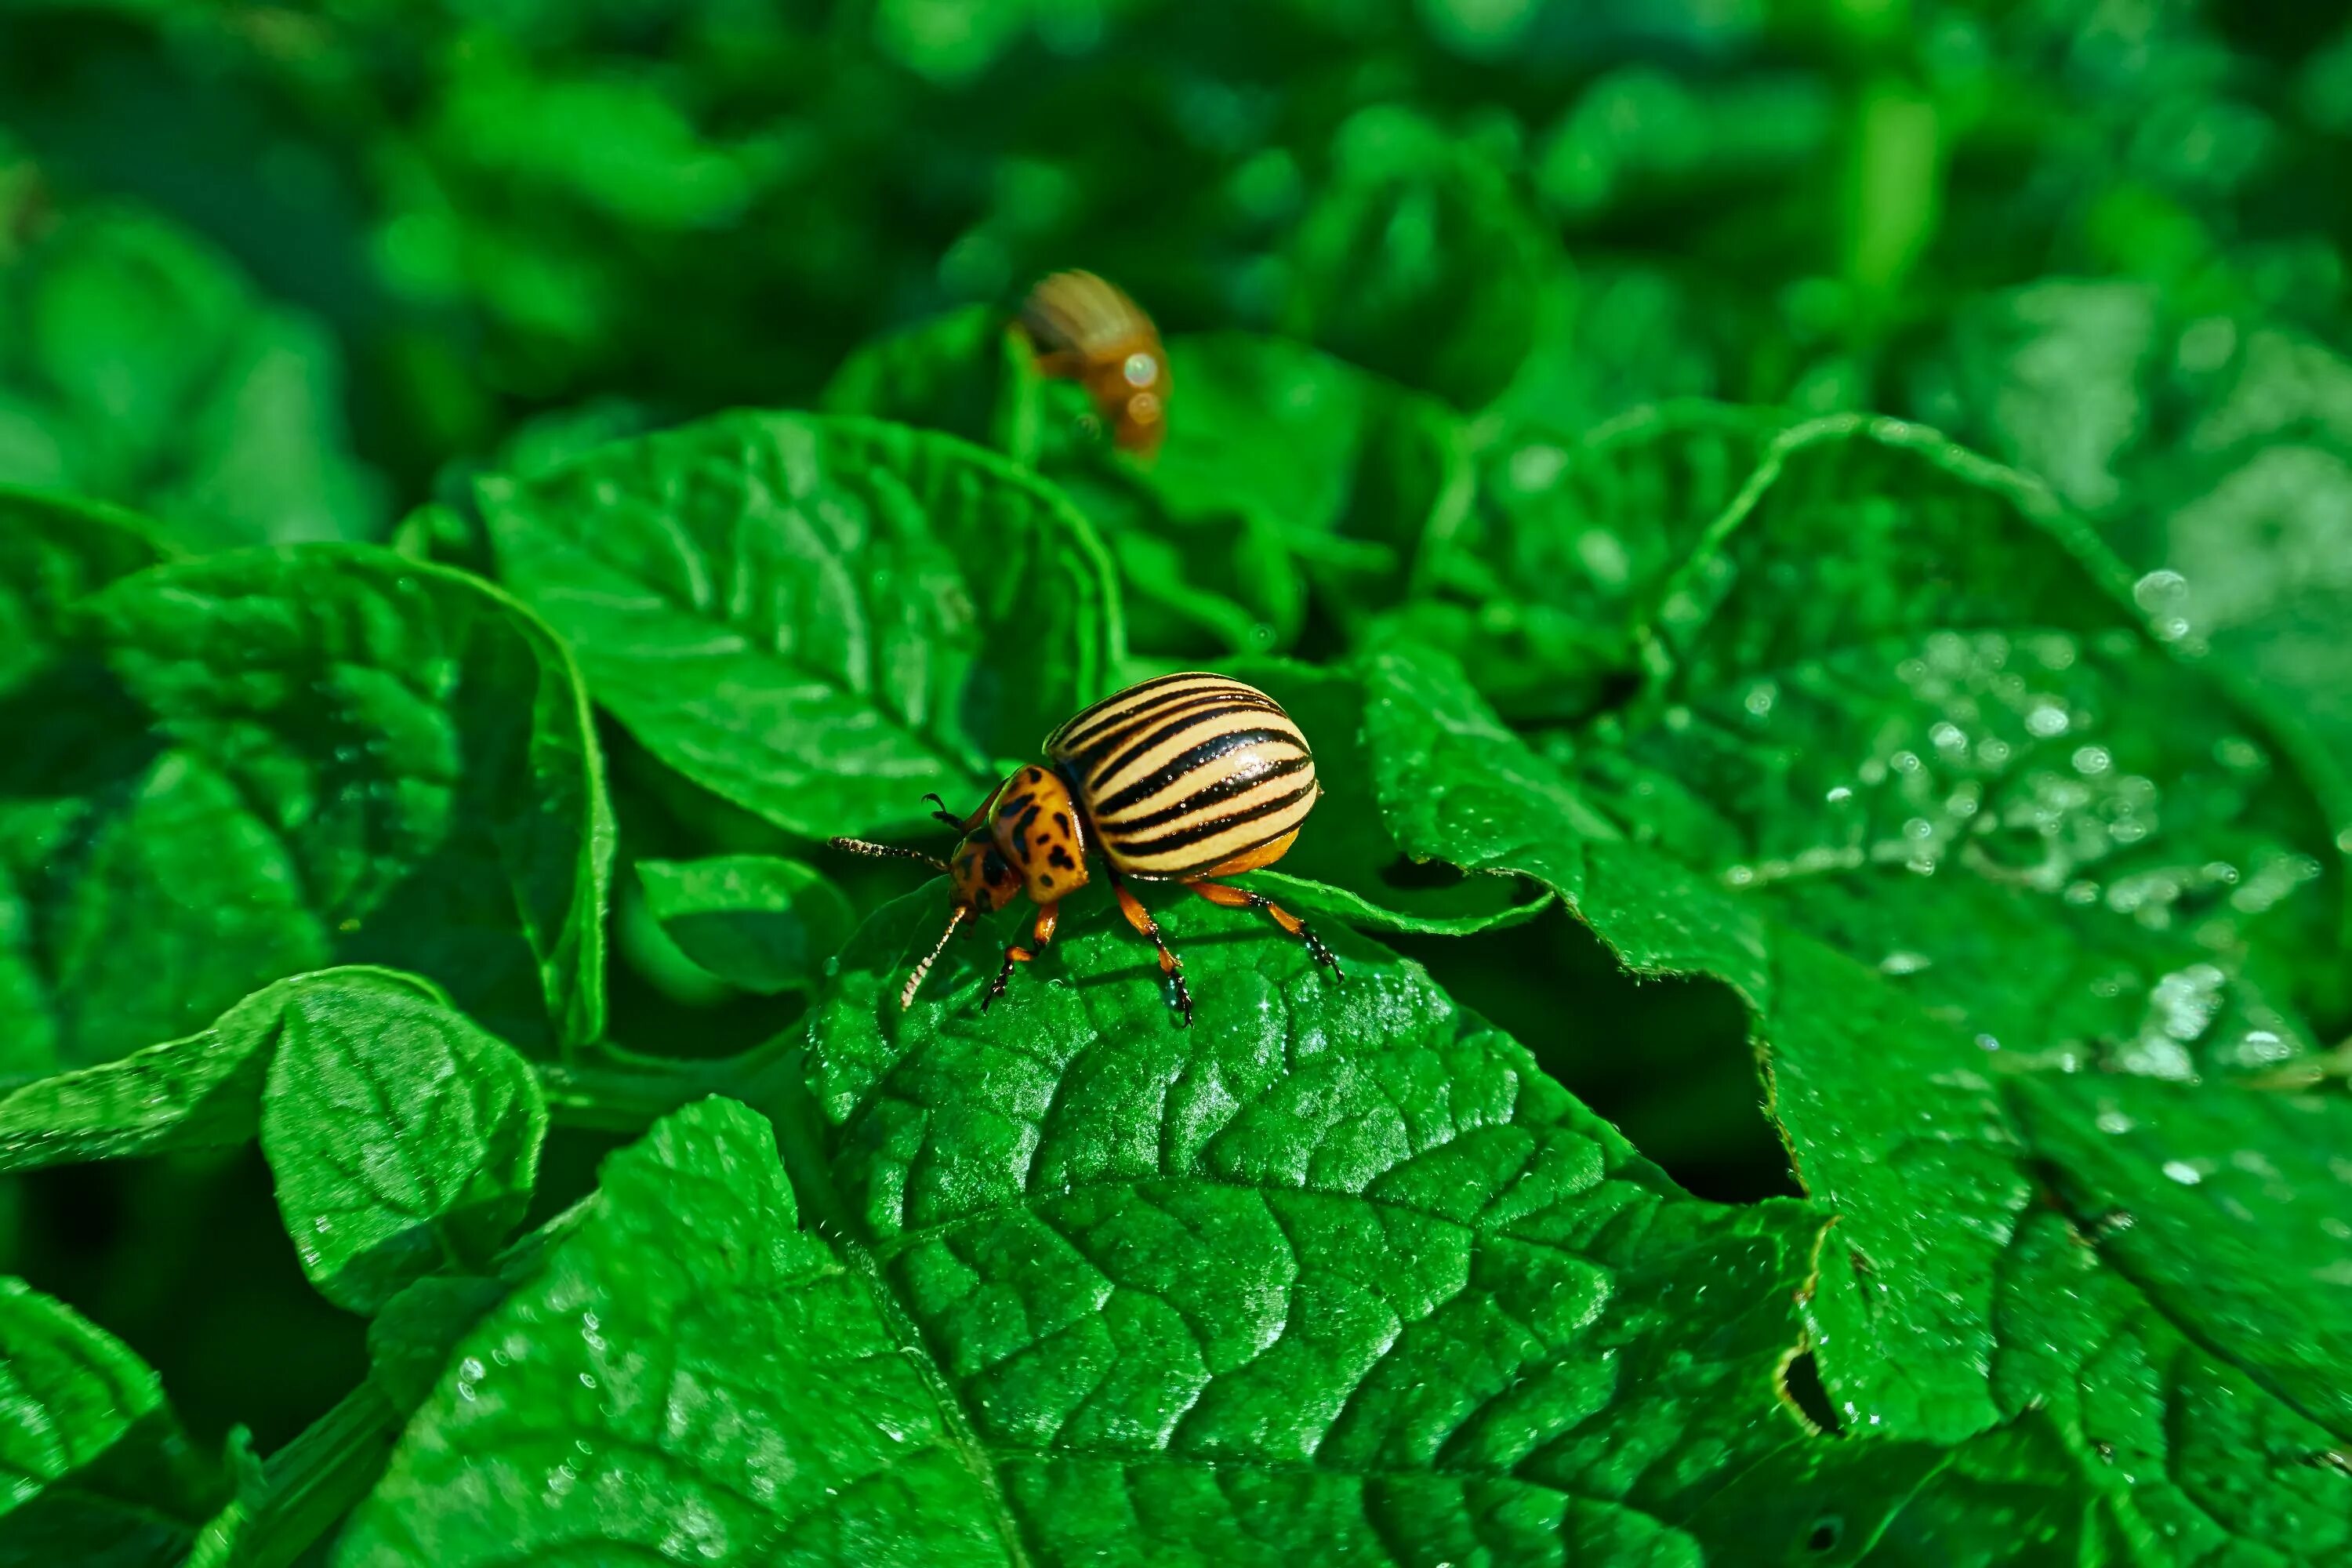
(1119,701)
(1176,724)
(1162,718)
(1088,729)
(1224,790)
(1202,831)
(1207,752)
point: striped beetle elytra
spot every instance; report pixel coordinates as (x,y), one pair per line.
(1187,778)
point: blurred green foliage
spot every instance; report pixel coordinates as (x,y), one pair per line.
(1554,432)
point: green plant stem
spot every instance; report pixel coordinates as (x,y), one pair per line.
(625,1091)
(316,1478)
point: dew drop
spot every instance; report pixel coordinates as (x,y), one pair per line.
(2047,720)
(2238,754)
(1535,468)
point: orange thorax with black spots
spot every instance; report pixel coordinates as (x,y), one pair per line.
(1034,836)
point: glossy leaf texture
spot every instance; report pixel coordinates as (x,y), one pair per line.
(818,618)
(1334,1271)
(726,1387)
(1851,1059)
(2212,447)
(1960,753)
(201,1091)
(758,922)
(1543,588)
(1948,1299)
(316,755)
(93,1464)
(401,1138)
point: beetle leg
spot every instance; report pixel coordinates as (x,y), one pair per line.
(1140,919)
(962,824)
(1048,914)
(1242,898)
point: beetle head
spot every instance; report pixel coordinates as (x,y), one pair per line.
(984,880)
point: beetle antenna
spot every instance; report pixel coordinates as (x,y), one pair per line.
(955,918)
(887,851)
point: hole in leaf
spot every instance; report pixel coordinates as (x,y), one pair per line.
(192,1269)
(1801,1385)
(1613,690)
(1827,1531)
(1667,1060)
(1406,872)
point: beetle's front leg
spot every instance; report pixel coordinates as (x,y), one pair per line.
(1048,915)
(962,824)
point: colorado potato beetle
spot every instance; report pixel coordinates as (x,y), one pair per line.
(1187,778)
(1086,330)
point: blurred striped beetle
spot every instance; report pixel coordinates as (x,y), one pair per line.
(1086,330)
(1186,778)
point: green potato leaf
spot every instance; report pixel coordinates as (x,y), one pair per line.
(758,922)
(1420,258)
(202,1091)
(1958,753)
(726,1386)
(53,551)
(965,373)
(1542,589)
(412,1337)
(1945,1303)
(2225,1206)
(820,619)
(1852,1060)
(1335,1270)
(1284,469)
(2212,448)
(138,364)
(2191,1456)
(400,1139)
(93,1464)
(321,755)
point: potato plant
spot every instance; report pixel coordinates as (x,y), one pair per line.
(1810,545)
